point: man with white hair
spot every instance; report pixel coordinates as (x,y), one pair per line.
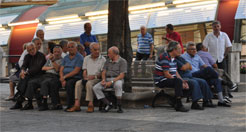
(145,48)
(92,70)
(70,71)
(113,74)
(30,72)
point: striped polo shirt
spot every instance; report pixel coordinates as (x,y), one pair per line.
(164,63)
(144,43)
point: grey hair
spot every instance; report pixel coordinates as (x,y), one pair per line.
(172,46)
(216,22)
(92,44)
(29,44)
(142,27)
(190,43)
(36,39)
(115,50)
(73,42)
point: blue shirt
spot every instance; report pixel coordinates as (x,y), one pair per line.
(144,43)
(70,64)
(87,38)
(164,63)
(206,57)
(180,62)
(196,61)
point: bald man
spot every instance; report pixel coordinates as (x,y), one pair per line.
(113,73)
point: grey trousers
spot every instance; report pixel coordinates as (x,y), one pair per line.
(98,88)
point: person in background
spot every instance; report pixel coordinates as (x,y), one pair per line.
(145,48)
(173,36)
(218,45)
(63,44)
(51,45)
(81,50)
(86,38)
(44,47)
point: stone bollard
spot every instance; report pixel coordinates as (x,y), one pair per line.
(234,62)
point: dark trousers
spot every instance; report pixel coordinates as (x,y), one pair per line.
(175,83)
(211,76)
(140,57)
(32,86)
(70,87)
(50,86)
(222,65)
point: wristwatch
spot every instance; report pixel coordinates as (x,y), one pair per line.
(112,81)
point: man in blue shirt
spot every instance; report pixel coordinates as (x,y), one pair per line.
(166,74)
(145,47)
(86,38)
(200,70)
(71,71)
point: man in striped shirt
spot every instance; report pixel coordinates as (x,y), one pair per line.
(145,47)
(166,74)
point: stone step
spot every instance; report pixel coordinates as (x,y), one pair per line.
(143,83)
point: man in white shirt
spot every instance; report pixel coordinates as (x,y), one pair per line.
(218,44)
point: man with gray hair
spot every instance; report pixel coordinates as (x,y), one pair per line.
(92,70)
(145,48)
(70,72)
(113,74)
(166,74)
(201,70)
(30,72)
(44,46)
(218,45)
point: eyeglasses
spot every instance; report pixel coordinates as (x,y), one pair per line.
(192,49)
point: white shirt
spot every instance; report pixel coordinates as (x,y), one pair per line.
(217,45)
(63,54)
(20,62)
(93,67)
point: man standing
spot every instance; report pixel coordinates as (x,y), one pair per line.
(70,72)
(44,46)
(86,38)
(166,74)
(114,71)
(173,36)
(92,70)
(218,45)
(145,49)
(30,72)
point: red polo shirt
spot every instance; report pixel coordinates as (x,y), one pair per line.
(176,37)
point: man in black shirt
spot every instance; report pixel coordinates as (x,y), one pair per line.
(31,70)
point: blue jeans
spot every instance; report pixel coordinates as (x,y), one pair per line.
(211,76)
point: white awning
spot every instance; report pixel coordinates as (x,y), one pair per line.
(185,14)
(241,10)
(7,19)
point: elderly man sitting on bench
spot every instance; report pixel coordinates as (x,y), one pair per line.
(112,76)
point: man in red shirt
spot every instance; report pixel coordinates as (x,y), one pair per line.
(172,36)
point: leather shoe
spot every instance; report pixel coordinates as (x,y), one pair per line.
(208,104)
(196,106)
(108,107)
(27,107)
(90,109)
(74,109)
(43,107)
(56,107)
(16,106)
(223,104)
(181,109)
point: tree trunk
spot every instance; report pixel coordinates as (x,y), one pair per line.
(119,35)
